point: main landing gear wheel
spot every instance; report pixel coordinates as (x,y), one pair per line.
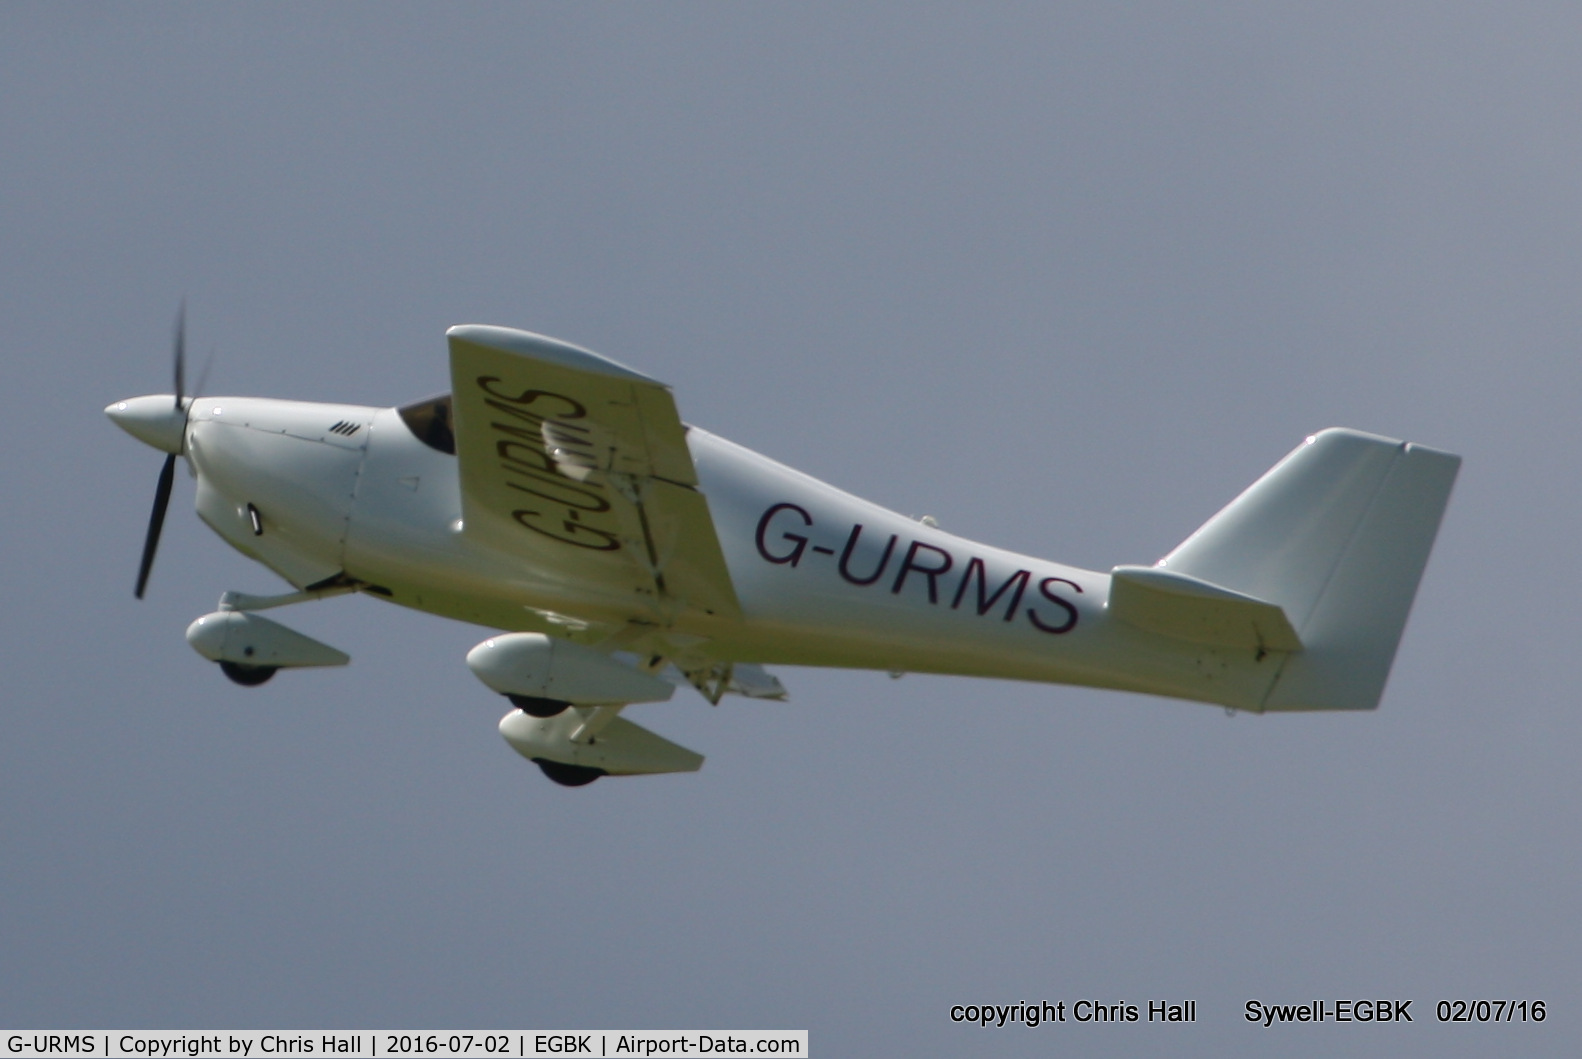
(245,675)
(568,775)
(536,707)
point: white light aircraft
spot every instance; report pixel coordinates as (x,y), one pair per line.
(556,495)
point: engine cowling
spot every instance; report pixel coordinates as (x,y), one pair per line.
(533,665)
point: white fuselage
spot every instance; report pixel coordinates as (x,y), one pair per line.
(824,578)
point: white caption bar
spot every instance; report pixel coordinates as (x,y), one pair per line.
(398,1044)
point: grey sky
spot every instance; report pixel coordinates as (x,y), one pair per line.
(1066,277)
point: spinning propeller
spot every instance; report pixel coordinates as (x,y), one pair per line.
(159,420)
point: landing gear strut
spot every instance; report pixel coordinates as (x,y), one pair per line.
(568,775)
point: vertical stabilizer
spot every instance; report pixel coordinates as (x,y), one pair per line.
(1337,535)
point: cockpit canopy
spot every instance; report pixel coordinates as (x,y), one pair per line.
(430,421)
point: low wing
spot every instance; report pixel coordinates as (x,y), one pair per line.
(581,466)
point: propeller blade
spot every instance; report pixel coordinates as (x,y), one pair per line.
(181,352)
(156,520)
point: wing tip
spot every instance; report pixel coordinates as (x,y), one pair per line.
(529,344)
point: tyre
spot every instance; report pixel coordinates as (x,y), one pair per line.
(568,775)
(536,707)
(245,675)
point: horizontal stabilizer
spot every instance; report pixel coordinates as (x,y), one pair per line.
(1188,608)
(756,682)
(620,748)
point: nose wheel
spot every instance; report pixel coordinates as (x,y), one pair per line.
(247,676)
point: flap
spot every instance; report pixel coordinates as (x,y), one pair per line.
(580,465)
(1187,608)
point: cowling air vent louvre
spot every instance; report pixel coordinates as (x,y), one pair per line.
(345,429)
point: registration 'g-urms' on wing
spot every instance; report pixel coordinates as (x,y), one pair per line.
(581,466)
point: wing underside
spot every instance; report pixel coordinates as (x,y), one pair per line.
(580,466)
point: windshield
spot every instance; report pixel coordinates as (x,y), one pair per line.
(430,421)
